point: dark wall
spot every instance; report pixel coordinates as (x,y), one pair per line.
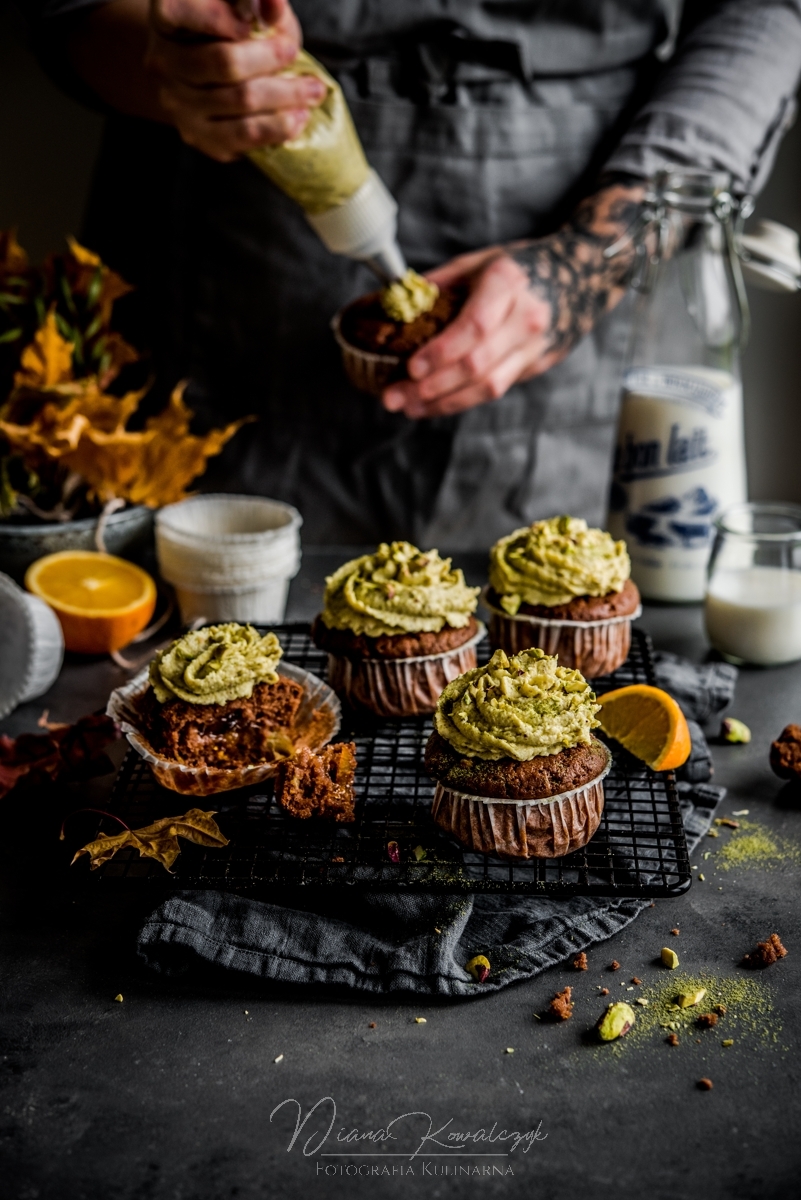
(47,149)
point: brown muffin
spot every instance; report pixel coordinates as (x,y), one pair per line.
(366,325)
(508,779)
(401,645)
(241,731)
(582,608)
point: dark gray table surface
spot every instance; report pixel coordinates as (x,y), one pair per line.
(168,1095)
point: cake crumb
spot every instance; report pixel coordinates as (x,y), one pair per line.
(675,932)
(604,991)
(561,1007)
(765,954)
(635,980)
(580,962)
(672,1040)
(707,1020)
(704,1085)
(614,965)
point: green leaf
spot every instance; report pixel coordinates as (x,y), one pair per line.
(10,335)
(9,298)
(93,291)
(95,326)
(41,313)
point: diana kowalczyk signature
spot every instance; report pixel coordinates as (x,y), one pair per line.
(420,1139)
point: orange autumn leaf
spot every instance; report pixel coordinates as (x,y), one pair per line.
(86,431)
(13,258)
(47,361)
(159,840)
(83,269)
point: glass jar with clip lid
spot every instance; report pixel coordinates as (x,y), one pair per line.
(680,455)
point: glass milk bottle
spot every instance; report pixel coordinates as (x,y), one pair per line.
(680,455)
(753,600)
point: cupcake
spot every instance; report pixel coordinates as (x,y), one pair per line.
(517,769)
(214,711)
(398,625)
(379,333)
(565,588)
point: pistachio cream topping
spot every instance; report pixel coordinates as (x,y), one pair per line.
(398,589)
(215,665)
(521,707)
(408,298)
(553,561)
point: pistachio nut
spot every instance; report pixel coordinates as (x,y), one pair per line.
(732,730)
(688,999)
(669,958)
(615,1022)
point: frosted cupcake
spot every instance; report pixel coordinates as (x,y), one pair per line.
(398,626)
(517,769)
(565,588)
(378,333)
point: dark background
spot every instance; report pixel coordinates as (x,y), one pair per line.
(48,145)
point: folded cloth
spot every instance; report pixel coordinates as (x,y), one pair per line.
(703,690)
(388,943)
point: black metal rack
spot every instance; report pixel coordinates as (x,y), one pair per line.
(639,849)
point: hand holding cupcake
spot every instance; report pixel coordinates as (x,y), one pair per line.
(565,588)
(398,626)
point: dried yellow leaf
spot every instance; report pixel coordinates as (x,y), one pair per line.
(13,258)
(159,840)
(47,361)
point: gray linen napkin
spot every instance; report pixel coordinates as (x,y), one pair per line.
(420,943)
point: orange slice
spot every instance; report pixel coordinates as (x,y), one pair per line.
(101,601)
(649,723)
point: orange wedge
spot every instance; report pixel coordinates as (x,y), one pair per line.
(101,601)
(649,723)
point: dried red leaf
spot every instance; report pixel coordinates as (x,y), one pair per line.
(65,750)
(393,850)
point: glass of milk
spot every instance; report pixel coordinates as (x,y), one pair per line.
(752,606)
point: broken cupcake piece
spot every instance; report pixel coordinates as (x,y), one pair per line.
(561,1007)
(765,954)
(785,753)
(319,785)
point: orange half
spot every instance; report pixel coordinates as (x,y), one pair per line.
(649,723)
(101,601)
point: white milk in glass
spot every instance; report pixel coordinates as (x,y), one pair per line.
(754,614)
(680,461)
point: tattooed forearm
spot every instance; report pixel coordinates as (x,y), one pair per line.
(569,270)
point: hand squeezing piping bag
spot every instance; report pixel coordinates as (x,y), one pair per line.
(324,169)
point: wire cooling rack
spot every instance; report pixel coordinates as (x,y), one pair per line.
(639,849)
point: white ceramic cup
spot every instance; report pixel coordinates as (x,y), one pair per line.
(229,558)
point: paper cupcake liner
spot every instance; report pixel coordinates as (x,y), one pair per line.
(592,647)
(367,371)
(401,687)
(317,723)
(549,828)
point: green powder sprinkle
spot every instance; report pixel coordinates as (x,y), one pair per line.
(749,1012)
(752,845)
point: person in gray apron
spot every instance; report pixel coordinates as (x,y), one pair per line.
(489,122)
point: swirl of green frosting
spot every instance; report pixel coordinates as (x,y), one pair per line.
(215,665)
(521,707)
(551,562)
(410,297)
(398,589)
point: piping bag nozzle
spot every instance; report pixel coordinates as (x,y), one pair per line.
(364,228)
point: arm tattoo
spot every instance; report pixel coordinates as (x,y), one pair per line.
(569,270)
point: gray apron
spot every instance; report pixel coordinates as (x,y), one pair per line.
(485,129)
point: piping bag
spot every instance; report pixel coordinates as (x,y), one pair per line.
(326,172)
